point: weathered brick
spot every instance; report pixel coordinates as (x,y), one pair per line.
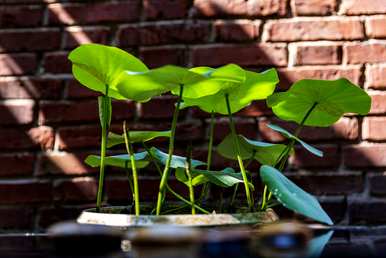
(355,7)
(246,127)
(375,78)
(251,54)
(364,155)
(18,164)
(56,62)
(165,9)
(75,190)
(75,36)
(359,53)
(315,54)
(239,30)
(74,90)
(158,107)
(17,218)
(79,137)
(50,215)
(226,8)
(63,163)
(293,74)
(376,27)
(18,64)
(25,191)
(158,56)
(43,136)
(16,112)
(94,13)
(304,159)
(29,39)
(367,211)
(30,88)
(255,109)
(128,35)
(15,16)
(377,184)
(374,128)
(314,29)
(16,139)
(313,7)
(174,32)
(378,103)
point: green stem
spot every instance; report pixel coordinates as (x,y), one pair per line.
(101,169)
(178,196)
(205,188)
(166,172)
(130,151)
(130,179)
(240,161)
(191,188)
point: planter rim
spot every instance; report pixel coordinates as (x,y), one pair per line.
(89,216)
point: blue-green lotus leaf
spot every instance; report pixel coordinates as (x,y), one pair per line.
(97,67)
(177,161)
(332,99)
(135,136)
(121,161)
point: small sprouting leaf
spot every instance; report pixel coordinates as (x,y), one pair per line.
(255,87)
(97,67)
(265,153)
(136,136)
(105,110)
(332,98)
(121,161)
(289,135)
(291,196)
(176,162)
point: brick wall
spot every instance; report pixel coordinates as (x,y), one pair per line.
(48,123)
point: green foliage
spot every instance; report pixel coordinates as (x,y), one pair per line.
(105,111)
(121,161)
(99,67)
(265,153)
(333,99)
(136,136)
(291,196)
(289,135)
(176,161)
(256,86)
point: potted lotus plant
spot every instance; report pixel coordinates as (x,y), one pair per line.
(218,91)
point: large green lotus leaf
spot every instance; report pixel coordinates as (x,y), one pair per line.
(121,161)
(176,162)
(135,136)
(142,86)
(317,244)
(256,86)
(265,153)
(291,196)
(332,98)
(97,66)
(289,135)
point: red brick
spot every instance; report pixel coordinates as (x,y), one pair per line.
(376,27)
(75,190)
(94,13)
(357,53)
(20,112)
(375,78)
(225,8)
(165,9)
(17,164)
(251,54)
(75,90)
(378,103)
(17,64)
(315,54)
(29,39)
(30,88)
(128,35)
(377,184)
(246,127)
(189,131)
(344,129)
(75,36)
(313,7)
(50,215)
(158,107)
(374,128)
(320,183)
(15,16)
(364,155)
(43,136)
(56,62)
(304,159)
(255,109)
(367,212)
(314,29)
(25,191)
(79,137)
(355,7)
(63,164)
(293,74)
(16,139)
(242,30)
(159,56)
(17,218)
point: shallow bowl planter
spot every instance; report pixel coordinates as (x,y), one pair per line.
(114,216)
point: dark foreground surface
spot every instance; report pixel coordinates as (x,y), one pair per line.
(338,242)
